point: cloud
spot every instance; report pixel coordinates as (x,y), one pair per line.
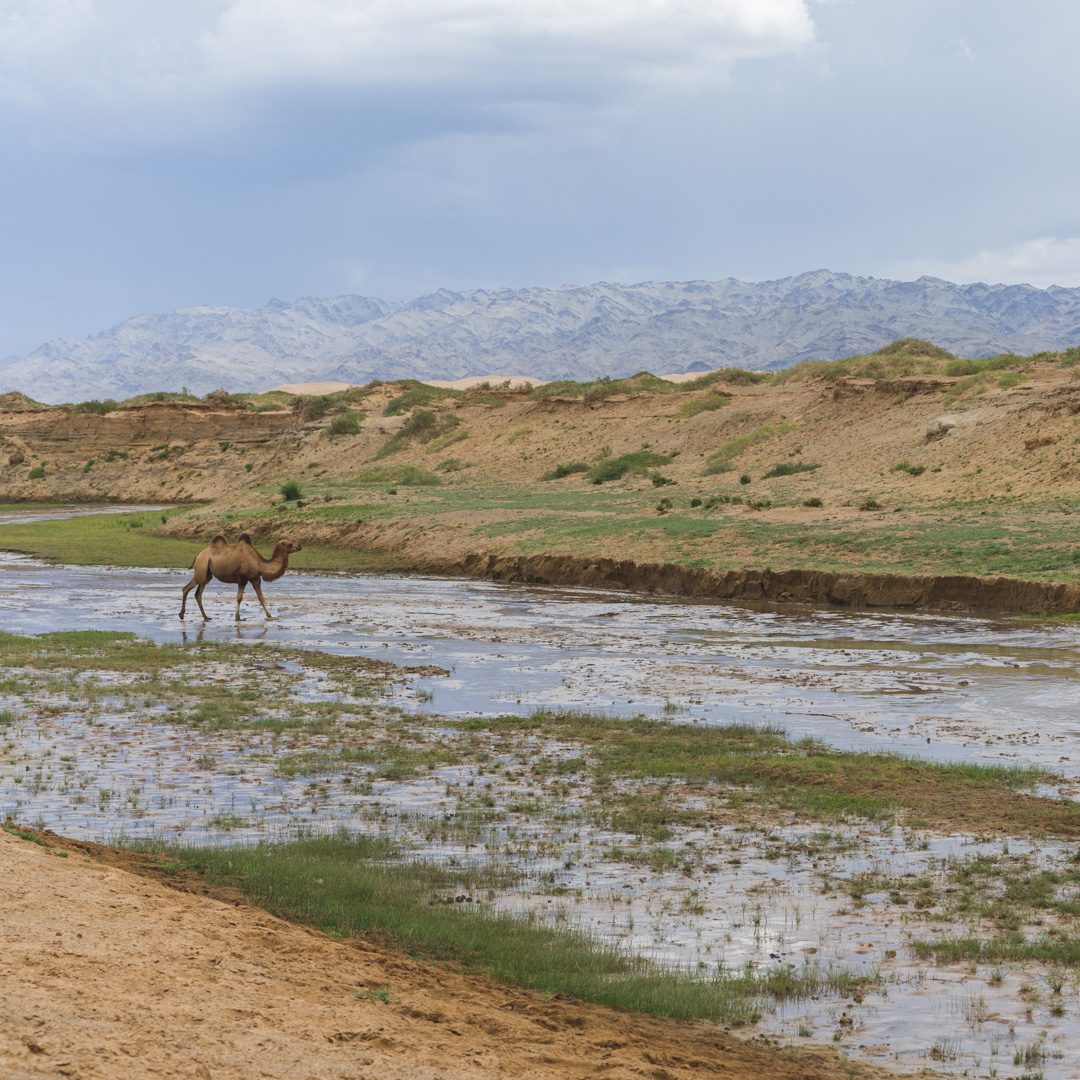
(1049,260)
(508,42)
(109,50)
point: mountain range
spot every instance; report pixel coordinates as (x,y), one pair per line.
(574,332)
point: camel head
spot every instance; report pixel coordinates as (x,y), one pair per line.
(286,547)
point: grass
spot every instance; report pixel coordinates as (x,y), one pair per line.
(788,468)
(615,468)
(418,395)
(423,426)
(720,461)
(709,402)
(349,885)
(565,470)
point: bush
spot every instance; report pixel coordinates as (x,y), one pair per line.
(706,403)
(789,468)
(345,424)
(616,468)
(453,464)
(660,481)
(744,479)
(565,470)
(95,407)
(695,502)
(870,503)
(417,394)
(663,506)
(290,491)
(37,473)
(423,426)
(732,376)
(911,470)
(814,501)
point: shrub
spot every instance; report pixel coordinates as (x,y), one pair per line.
(759,504)
(695,502)
(453,465)
(116,455)
(870,503)
(565,470)
(1011,379)
(615,468)
(987,363)
(88,466)
(789,468)
(706,403)
(1070,356)
(744,479)
(290,491)
(37,473)
(660,481)
(417,394)
(663,506)
(813,501)
(911,470)
(95,407)
(732,376)
(347,423)
(423,426)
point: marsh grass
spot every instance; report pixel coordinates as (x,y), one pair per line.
(354,885)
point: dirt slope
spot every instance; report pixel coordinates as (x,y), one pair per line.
(108,973)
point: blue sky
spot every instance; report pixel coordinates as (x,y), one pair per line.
(161,155)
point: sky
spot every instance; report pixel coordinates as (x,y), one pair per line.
(157,155)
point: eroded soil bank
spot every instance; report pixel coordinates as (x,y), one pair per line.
(109,970)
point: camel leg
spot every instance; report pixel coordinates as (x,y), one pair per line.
(239,596)
(198,599)
(257,585)
(187,588)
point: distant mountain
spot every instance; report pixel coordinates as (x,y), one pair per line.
(572,332)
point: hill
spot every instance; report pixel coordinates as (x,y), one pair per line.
(567,333)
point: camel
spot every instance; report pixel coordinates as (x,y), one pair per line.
(237,564)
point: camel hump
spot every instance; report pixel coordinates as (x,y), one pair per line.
(219,542)
(244,538)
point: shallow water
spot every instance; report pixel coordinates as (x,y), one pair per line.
(944,687)
(951,688)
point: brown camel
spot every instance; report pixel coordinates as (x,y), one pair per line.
(237,564)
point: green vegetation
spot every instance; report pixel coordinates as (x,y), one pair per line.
(347,423)
(158,396)
(418,395)
(346,883)
(290,491)
(565,470)
(36,473)
(720,461)
(706,403)
(97,408)
(788,468)
(615,468)
(423,426)
(813,501)
(911,470)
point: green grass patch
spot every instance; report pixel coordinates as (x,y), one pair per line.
(720,461)
(423,426)
(418,395)
(709,402)
(788,468)
(352,885)
(615,468)
(911,470)
(561,471)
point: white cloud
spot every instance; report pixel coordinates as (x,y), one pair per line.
(541,41)
(1049,260)
(261,43)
